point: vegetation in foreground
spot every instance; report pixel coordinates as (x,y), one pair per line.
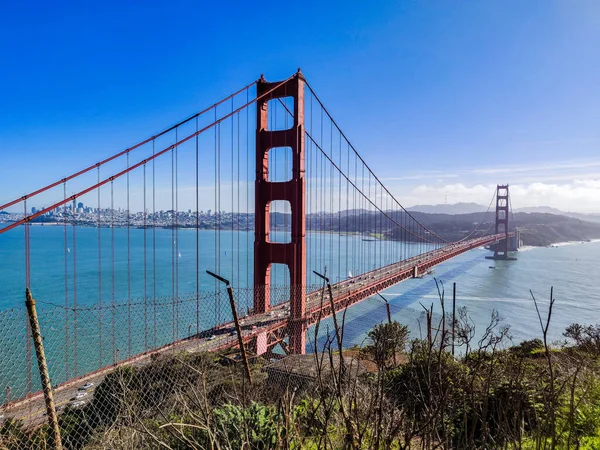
(391,394)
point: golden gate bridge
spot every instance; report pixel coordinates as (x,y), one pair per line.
(293,204)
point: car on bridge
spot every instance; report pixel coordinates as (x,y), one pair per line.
(79,396)
(86,386)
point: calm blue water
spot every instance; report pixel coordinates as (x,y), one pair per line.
(81,340)
(571,269)
(106,295)
(87,266)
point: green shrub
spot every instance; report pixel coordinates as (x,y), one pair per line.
(256,425)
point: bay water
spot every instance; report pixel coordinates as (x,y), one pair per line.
(135,275)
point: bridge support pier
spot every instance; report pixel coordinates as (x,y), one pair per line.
(292,254)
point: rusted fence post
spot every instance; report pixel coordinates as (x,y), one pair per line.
(338,336)
(43,368)
(453,315)
(387,307)
(236,321)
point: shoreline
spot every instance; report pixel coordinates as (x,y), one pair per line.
(370,236)
(557,244)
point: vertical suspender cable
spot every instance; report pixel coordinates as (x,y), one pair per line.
(145,218)
(219,213)
(74,288)
(197,239)
(128,268)
(347,211)
(323,211)
(98,217)
(173,243)
(27,283)
(339,194)
(27,248)
(353,222)
(364,215)
(381,239)
(177,254)
(66,264)
(215,289)
(112,254)
(153,246)
(248,181)
(313,188)
(238,214)
(233,273)
(273,205)
(332,214)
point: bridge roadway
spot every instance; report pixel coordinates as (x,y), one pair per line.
(31,410)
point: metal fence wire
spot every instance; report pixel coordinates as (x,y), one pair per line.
(149,361)
(170,373)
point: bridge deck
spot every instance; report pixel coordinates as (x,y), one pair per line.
(346,293)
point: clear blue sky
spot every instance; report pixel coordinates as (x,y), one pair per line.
(440,97)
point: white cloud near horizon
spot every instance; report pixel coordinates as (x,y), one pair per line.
(576,196)
(569,185)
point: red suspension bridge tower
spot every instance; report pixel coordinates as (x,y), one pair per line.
(502,247)
(266,252)
(501,251)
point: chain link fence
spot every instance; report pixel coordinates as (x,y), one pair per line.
(162,347)
(170,374)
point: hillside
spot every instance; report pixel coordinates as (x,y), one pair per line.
(536,228)
(545,209)
(544,229)
(468,208)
